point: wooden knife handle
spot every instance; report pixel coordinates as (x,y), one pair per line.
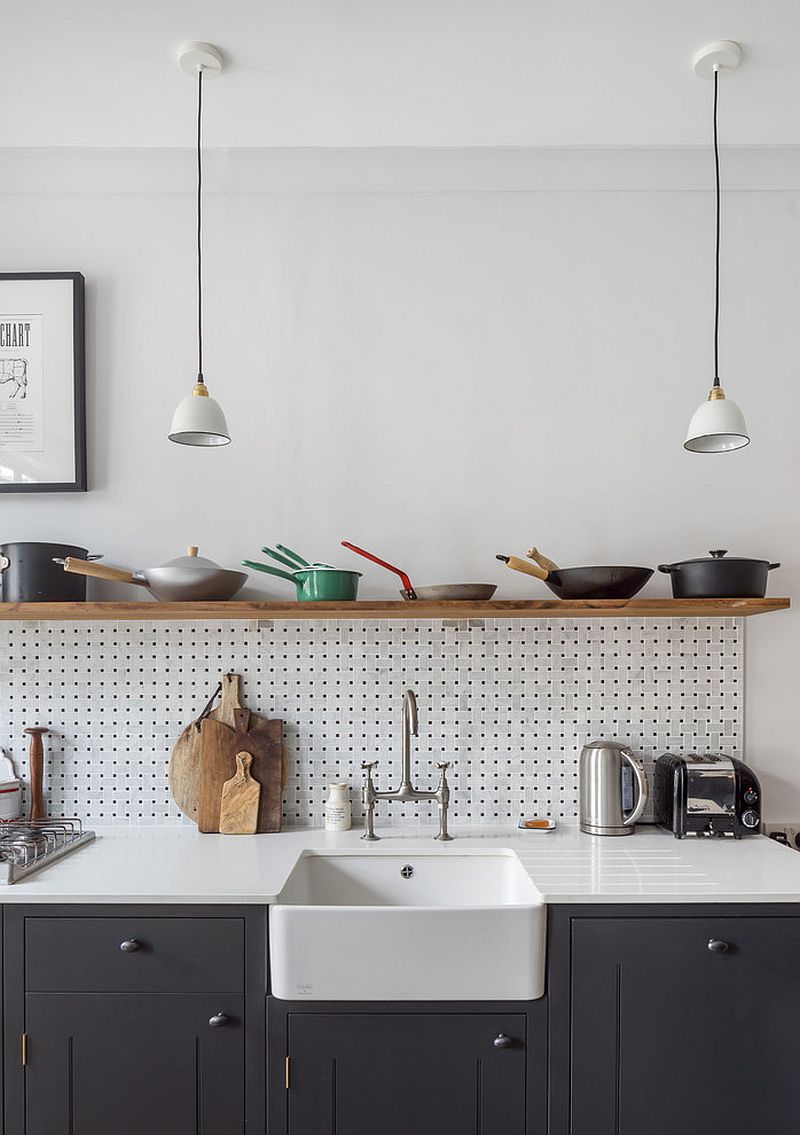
(36,761)
(100,571)
(516,564)
(535,555)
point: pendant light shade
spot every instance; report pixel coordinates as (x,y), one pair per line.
(718,424)
(198,419)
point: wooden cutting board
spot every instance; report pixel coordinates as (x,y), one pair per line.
(184,764)
(239,809)
(263,739)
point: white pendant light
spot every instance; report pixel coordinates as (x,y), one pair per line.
(718,424)
(198,419)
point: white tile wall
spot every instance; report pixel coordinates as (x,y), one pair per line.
(510,701)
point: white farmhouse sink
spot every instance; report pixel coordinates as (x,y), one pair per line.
(416,926)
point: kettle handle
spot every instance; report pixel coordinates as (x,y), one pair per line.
(641,782)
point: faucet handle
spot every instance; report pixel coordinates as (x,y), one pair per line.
(443,765)
(368,766)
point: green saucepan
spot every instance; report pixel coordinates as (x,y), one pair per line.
(316,584)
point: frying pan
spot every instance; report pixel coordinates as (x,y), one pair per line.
(434,591)
(186,578)
(582,582)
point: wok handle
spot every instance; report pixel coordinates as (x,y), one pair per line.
(667,568)
(535,555)
(516,564)
(100,571)
(771,566)
(382,563)
(269,570)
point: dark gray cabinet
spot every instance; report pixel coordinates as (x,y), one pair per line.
(133,1063)
(684,1023)
(439,1069)
(133,1019)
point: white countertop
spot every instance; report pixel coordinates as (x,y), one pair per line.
(178,865)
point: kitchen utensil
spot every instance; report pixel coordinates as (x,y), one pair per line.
(542,561)
(606,775)
(10,790)
(184,761)
(706,795)
(719,577)
(264,741)
(314,584)
(437,591)
(238,814)
(585,582)
(36,760)
(31,573)
(184,579)
(184,764)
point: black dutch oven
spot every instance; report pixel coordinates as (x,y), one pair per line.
(30,573)
(719,578)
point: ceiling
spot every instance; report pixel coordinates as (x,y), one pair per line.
(407,73)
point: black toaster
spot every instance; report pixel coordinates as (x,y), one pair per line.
(708,794)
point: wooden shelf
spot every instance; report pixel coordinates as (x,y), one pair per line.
(396,609)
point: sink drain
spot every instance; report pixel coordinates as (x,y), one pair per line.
(407,871)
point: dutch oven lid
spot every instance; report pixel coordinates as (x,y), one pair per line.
(716,555)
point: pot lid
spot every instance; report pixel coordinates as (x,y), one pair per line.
(191,559)
(717,555)
(324,567)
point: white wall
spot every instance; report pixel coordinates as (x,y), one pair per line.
(440,356)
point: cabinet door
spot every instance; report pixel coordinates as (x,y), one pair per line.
(404,1074)
(130,1064)
(668,1035)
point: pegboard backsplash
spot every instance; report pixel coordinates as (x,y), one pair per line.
(511,701)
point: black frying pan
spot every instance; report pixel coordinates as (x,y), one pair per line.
(583,582)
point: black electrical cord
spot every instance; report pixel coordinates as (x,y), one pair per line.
(199,228)
(716,252)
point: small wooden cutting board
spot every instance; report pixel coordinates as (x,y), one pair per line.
(263,740)
(239,809)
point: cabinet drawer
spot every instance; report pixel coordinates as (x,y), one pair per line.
(132,955)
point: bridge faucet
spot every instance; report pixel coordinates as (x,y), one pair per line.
(407,793)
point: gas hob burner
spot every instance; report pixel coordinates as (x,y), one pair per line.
(27,845)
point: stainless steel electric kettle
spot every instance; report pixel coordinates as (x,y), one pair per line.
(608,772)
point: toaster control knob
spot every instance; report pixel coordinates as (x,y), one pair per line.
(750,796)
(750,818)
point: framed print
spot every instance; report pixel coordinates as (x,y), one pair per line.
(42,383)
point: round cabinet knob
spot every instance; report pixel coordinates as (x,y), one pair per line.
(750,818)
(130,946)
(502,1041)
(717,946)
(218,1020)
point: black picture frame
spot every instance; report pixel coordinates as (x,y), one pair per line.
(78,483)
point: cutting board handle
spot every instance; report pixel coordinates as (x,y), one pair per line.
(231,699)
(241,718)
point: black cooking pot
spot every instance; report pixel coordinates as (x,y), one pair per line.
(719,578)
(28,573)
